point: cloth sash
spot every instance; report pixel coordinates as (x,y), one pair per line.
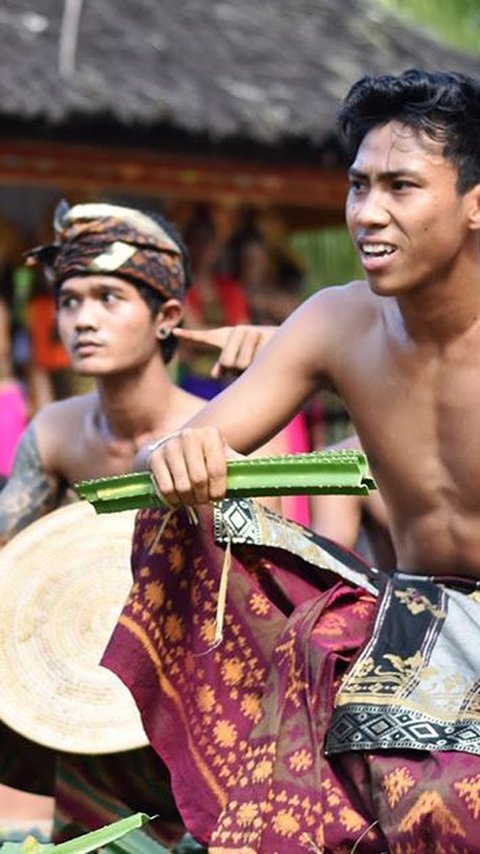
(416,682)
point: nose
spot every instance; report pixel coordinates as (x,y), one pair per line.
(370,210)
(86,316)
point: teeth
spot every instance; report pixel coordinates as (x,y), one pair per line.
(377,249)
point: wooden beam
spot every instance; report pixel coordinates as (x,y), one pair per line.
(90,169)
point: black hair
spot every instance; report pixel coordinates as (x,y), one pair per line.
(445,105)
(154,301)
(153,298)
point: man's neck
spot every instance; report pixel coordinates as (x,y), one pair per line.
(134,404)
(441,313)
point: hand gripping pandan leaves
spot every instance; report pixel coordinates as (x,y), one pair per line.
(106,839)
(319,472)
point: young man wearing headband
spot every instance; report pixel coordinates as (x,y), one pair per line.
(119,278)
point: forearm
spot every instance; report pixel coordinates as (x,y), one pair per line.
(191,466)
(248,413)
(253,409)
(337,517)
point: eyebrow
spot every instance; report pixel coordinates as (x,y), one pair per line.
(385,176)
(98,286)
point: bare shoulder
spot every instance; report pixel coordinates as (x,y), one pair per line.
(58,425)
(313,334)
(69,407)
(349,299)
(351,303)
(60,418)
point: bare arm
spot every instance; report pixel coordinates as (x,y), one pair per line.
(238,345)
(191,466)
(30,491)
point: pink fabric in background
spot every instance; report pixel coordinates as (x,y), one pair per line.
(13,420)
(297,507)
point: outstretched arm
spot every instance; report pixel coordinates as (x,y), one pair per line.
(238,345)
(191,466)
(30,491)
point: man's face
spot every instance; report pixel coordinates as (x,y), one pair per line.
(404,214)
(105,325)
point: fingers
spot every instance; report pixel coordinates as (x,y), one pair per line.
(238,345)
(213,339)
(238,351)
(190,468)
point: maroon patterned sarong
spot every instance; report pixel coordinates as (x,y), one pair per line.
(242,725)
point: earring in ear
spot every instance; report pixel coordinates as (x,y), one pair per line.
(162,333)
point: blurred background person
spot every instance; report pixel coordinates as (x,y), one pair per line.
(50,376)
(215,299)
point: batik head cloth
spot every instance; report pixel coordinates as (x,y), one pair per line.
(98,238)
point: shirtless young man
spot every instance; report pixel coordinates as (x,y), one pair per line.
(119,278)
(116,327)
(402,349)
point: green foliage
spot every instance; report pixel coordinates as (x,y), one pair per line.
(106,839)
(328,255)
(456,22)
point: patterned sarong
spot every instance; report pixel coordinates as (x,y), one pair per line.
(242,724)
(416,683)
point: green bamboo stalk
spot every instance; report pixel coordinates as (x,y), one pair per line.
(319,472)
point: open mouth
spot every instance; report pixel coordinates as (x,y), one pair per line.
(377,250)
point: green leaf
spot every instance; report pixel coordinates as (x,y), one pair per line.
(135,843)
(317,472)
(104,836)
(90,841)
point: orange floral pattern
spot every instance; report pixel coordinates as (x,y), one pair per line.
(242,725)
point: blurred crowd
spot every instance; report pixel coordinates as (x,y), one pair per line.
(247,275)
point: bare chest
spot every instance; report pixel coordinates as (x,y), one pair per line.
(419,422)
(85,459)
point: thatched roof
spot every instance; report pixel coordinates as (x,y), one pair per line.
(264,71)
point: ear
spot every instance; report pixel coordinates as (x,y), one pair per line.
(473,208)
(169,316)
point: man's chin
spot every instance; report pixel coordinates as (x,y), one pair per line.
(382,288)
(83,369)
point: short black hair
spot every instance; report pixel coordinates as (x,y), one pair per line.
(445,105)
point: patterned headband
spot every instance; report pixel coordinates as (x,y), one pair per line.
(113,240)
